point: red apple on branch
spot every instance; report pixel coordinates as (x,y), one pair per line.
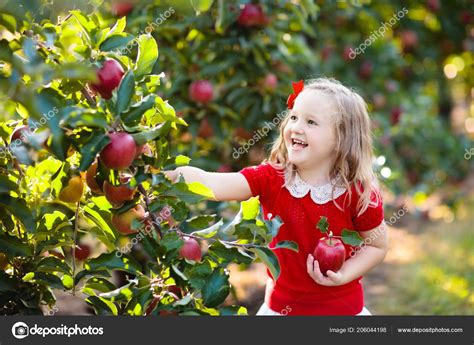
(205,129)
(190,250)
(82,252)
(119,152)
(270,82)
(123,222)
(201,91)
(330,253)
(117,195)
(121,8)
(252,15)
(92,181)
(109,77)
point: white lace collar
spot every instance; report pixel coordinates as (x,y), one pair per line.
(319,194)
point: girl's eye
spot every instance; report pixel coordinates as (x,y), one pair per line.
(292,117)
(311,122)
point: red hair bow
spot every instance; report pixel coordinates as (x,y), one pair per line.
(297,88)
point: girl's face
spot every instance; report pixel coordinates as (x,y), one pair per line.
(311,122)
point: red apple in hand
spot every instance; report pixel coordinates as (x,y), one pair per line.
(119,152)
(330,253)
(191,250)
(201,91)
(109,77)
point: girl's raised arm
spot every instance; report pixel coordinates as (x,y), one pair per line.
(225,186)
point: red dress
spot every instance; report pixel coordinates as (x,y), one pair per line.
(295,292)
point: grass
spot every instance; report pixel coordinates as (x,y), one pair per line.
(438,277)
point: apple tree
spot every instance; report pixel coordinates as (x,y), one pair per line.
(84,143)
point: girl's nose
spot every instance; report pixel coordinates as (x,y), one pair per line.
(297,128)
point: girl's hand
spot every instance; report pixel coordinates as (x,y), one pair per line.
(332,279)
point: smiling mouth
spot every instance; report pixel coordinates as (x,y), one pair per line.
(298,144)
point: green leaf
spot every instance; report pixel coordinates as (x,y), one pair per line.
(202,5)
(227,254)
(210,231)
(123,293)
(44,278)
(7,282)
(138,303)
(287,245)
(269,259)
(20,210)
(147,55)
(68,282)
(216,289)
(182,160)
(102,306)
(87,273)
(90,150)
(13,246)
(7,185)
(198,274)
(99,284)
(323,224)
(125,92)
(134,114)
(183,301)
(274,225)
(233,310)
(84,24)
(220,17)
(115,41)
(103,230)
(52,264)
(171,241)
(351,238)
(79,117)
(250,208)
(152,134)
(176,269)
(112,262)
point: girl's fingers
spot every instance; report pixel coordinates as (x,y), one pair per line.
(332,275)
(309,265)
(317,271)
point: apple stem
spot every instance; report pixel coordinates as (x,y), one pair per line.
(330,238)
(151,214)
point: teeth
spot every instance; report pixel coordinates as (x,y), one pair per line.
(298,142)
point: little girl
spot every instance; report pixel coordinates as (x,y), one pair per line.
(320,165)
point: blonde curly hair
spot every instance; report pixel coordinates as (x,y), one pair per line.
(353,153)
